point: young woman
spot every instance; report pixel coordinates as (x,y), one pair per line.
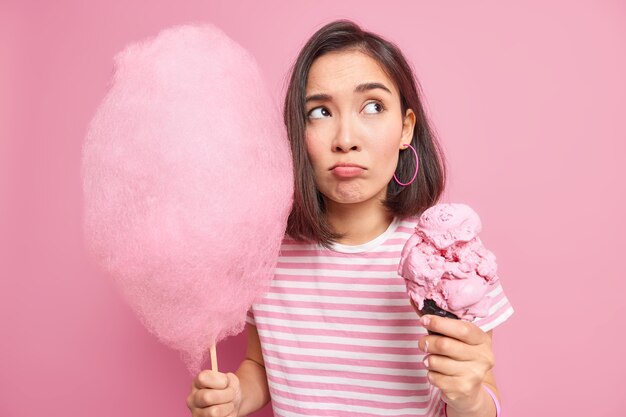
(336,334)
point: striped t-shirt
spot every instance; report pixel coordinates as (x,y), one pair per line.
(339,336)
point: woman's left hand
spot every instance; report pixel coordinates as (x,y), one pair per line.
(458,362)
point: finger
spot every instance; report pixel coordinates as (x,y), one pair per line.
(441,381)
(454,388)
(210,397)
(446,366)
(459,329)
(210,379)
(447,346)
(447,383)
(221,410)
(190,400)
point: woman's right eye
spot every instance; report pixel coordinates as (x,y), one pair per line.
(318,113)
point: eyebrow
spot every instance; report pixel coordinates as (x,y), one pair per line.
(359,89)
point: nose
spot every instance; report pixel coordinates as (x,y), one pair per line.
(345,139)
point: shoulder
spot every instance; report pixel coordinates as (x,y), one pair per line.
(407,224)
(289,244)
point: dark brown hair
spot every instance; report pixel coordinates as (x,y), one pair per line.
(307,219)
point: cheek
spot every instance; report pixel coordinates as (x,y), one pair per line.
(313,149)
(385,148)
(386,143)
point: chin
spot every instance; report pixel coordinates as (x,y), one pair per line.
(352,192)
(353,197)
(348,198)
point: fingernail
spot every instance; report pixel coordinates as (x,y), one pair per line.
(430,377)
(426,361)
(426,346)
(425,320)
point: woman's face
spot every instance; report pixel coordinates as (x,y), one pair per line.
(355,127)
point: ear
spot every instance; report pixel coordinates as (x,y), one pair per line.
(408,124)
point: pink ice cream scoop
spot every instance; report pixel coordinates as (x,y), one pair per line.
(446,268)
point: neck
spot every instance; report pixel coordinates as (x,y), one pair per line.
(358,222)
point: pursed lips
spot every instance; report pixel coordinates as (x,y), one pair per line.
(347,170)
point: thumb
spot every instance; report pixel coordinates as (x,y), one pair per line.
(233,380)
(233,383)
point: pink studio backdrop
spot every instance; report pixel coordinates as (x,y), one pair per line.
(526,99)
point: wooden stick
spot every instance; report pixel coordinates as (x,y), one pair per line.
(213,358)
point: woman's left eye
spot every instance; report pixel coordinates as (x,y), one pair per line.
(376,106)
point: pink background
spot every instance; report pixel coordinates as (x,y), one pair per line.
(526,99)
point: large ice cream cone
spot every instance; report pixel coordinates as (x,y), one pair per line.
(447,270)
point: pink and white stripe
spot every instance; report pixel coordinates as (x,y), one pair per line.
(339,337)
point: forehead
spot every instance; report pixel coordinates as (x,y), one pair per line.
(343,70)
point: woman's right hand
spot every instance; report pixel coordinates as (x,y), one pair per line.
(215,394)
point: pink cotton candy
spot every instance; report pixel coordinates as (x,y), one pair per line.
(188,182)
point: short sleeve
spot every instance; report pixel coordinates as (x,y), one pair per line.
(500,310)
(250,317)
